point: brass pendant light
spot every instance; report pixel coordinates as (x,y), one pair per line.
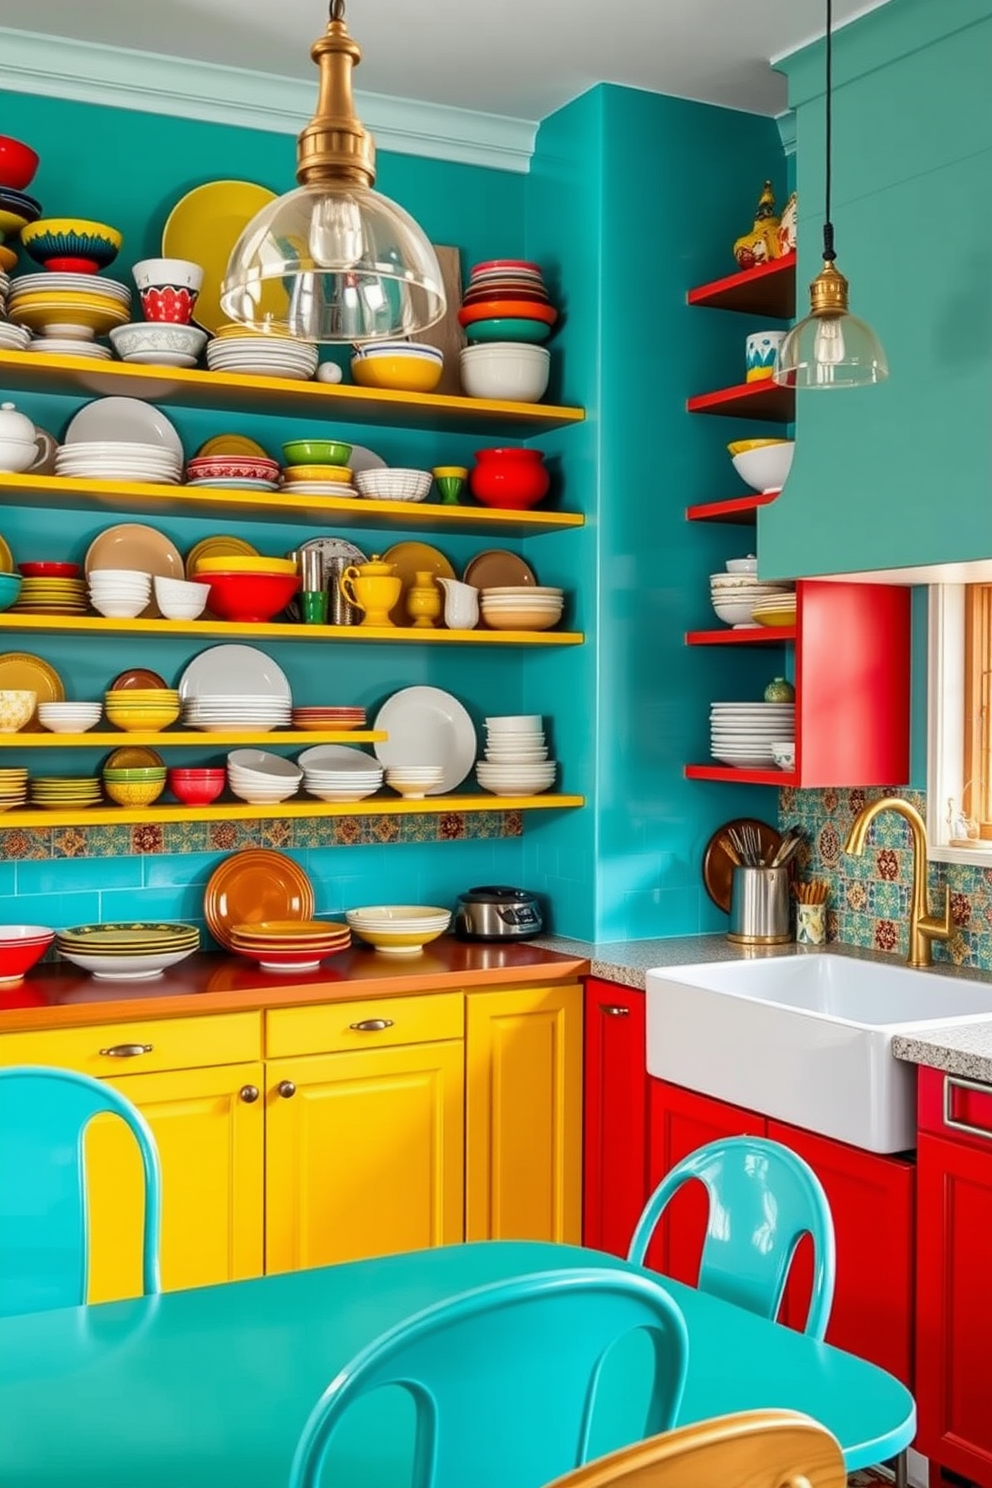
(334,261)
(830,348)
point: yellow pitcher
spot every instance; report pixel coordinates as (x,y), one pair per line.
(373,588)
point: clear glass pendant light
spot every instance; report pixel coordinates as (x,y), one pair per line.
(334,260)
(830,348)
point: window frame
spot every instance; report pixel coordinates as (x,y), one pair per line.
(952,743)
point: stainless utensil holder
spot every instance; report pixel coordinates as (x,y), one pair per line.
(340,611)
(759,906)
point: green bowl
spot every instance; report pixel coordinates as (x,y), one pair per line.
(316,452)
(508,329)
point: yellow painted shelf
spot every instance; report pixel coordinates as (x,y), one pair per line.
(93,496)
(227,630)
(24,371)
(189,739)
(104,816)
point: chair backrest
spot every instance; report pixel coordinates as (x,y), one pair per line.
(504,1378)
(762,1200)
(44,1230)
(756,1449)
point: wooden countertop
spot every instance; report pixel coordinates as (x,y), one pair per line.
(60,996)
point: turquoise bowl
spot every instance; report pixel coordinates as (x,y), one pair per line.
(515,329)
(10,588)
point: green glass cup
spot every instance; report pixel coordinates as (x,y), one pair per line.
(313,606)
(450,481)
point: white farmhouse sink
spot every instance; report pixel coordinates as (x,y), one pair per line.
(805,1038)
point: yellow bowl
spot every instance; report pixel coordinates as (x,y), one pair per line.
(397,942)
(741,446)
(242,563)
(134,792)
(11,223)
(401,374)
(339,473)
(125,696)
(16,708)
(143,720)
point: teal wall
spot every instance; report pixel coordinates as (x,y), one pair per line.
(899,474)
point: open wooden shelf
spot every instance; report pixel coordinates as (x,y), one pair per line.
(24,371)
(762,635)
(769,289)
(730,773)
(229,630)
(763,399)
(71,494)
(739,511)
(191,739)
(107,816)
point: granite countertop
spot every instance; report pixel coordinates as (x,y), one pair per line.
(963,1049)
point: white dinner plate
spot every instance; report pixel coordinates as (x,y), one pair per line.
(225,670)
(427,726)
(114,419)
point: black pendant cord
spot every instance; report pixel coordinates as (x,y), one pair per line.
(828,228)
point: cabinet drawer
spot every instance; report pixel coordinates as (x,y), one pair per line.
(144,1047)
(366,1024)
(956,1107)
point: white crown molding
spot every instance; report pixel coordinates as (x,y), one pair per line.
(58,67)
(787,130)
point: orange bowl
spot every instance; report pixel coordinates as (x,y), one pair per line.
(506,309)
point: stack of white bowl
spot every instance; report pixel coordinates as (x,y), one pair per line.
(120,460)
(742,734)
(263,356)
(339,772)
(262,778)
(69,718)
(119,593)
(522,606)
(180,600)
(217,713)
(414,782)
(516,762)
(734,594)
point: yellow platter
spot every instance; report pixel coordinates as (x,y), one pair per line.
(231,444)
(204,226)
(239,563)
(19,670)
(223,545)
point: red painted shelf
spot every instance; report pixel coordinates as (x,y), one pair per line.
(762,635)
(751,400)
(739,511)
(740,777)
(769,289)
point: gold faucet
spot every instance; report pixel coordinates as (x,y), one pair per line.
(924,928)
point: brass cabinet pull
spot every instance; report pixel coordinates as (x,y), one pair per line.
(286,1089)
(952,1083)
(249,1094)
(371,1025)
(614,1010)
(126,1051)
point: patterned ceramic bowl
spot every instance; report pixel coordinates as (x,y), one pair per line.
(15,710)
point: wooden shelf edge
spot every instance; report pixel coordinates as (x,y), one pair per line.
(194,738)
(233,630)
(738,510)
(764,635)
(108,816)
(740,777)
(752,291)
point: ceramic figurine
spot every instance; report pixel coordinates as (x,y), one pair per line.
(780,691)
(761,243)
(787,228)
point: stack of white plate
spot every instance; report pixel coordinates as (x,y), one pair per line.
(733,595)
(339,772)
(262,778)
(67,346)
(742,734)
(516,762)
(215,713)
(263,356)
(119,593)
(13,337)
(122,460)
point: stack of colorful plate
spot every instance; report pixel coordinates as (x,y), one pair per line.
(52,597)
(69,310)
(65,792)
(13,788)
(127,952)
(235,350)
(339,772)
(326,719)
(506,300)
(119,460)
(317,480)
(290,945)
(776,609)
(233,472)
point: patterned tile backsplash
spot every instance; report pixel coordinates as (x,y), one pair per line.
(869,896)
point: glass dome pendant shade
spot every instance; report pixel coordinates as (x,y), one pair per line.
(334,261)
(830,347)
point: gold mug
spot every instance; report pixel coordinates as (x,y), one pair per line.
(373,588)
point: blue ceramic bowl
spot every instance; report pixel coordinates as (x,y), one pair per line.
(508,329)
(10,588)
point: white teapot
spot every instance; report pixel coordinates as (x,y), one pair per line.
(21,445)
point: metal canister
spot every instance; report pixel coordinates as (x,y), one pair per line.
(340,611)
(759,906)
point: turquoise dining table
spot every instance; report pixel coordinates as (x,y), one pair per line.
(210,1388)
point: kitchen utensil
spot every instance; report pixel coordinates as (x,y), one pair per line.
(759,906)
(498,912)
(717,866)
(340,610)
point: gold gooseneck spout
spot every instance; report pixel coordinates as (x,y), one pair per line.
(924,928)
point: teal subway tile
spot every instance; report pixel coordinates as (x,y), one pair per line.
(59,910)
(8,880)
(661,912)
(175,902)
(61,875)
(168,869)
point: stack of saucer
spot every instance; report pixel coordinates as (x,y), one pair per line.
(327,719)
(516,762)
(13,788)
(128,952)
(232,350)
(68,310)
(742,734)
(65,792)
(119,593)
(290,945)
(414,782)
(13,337)
(339,772)
(51,597)
(215,713)
(119,460)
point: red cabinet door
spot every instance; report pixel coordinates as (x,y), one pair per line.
(872,1202)
(954,1301)
(679,1122)
(616,1116)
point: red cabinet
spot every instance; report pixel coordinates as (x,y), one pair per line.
(616,1125)
(954,1275)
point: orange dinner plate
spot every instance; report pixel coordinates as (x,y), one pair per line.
(254,886)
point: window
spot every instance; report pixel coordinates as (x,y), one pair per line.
(960,723)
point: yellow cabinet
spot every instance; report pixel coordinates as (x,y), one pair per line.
(209,1127)
(524,1115)
(364,1153)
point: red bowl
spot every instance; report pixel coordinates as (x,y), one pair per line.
(21,946)
(193,792)
(18,163)
(250,596)
(50,570)
(509,479)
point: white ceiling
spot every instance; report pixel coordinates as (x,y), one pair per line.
(521,58)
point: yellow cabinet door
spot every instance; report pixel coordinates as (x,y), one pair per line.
(364,1154)
(209,1127)
(524,1115)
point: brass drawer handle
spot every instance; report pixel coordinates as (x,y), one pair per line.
(126,1051)
(371,1025)
(249,1094)
(286,1089)
(614,1010)
(951,1084)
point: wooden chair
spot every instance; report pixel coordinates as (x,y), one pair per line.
(753,1449)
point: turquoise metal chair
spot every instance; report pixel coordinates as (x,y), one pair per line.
(762,1200)
(504,1379)
(44,1229)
